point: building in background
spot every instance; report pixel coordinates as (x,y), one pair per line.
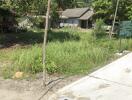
(77,17)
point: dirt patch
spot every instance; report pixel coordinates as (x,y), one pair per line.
(83,98)
(31,89)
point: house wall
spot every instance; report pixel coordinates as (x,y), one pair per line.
(70,23)
(86,23)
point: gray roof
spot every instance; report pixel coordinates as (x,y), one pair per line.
(87,15)
(74,13)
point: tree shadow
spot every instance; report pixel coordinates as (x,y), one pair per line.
(30,38)
(62,36)
(101,36)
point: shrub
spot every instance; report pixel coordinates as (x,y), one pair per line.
(99,29)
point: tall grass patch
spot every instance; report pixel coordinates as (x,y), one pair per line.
(70,52)
(74,57)
(27,60)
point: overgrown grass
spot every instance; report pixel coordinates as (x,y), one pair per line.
(77,53)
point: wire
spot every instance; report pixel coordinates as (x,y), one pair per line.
(58,80)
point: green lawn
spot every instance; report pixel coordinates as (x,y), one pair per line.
(69,52)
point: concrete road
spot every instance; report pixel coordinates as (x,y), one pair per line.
(112,82)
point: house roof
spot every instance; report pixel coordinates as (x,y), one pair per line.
(74,13)
(87,15)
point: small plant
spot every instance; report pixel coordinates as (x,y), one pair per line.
(99,29)
(51,67)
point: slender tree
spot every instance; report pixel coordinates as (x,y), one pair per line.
(116,10)
(44,43)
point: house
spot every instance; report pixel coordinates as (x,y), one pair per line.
(77,17)
(7,20)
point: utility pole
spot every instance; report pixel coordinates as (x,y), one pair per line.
(114,18)
(44,43)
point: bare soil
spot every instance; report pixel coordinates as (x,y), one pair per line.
(32,89)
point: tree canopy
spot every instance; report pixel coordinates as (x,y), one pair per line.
(106,8)
(103,8)
(39,6)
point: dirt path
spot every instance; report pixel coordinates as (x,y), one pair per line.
(29,89)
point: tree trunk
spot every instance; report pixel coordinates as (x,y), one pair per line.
(44,42)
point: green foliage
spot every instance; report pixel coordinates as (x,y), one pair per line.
(7,72)
(26,6)
(40,6)
(102,8)
(64,4)
(38,22)
(124,10)
(28,60)
(51,66)
(129,10)
(99,27)
(65,54)
(105,9)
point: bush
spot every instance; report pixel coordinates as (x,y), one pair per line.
(99,29)
(39,22)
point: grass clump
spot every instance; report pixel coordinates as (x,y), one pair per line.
(74,57)
(28,60)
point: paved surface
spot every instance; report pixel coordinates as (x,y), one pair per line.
(112,82)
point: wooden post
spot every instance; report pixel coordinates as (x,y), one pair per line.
(44,43)
(114,19)
(120,46)
(87,24)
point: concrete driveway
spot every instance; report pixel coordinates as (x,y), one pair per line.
(112,82)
